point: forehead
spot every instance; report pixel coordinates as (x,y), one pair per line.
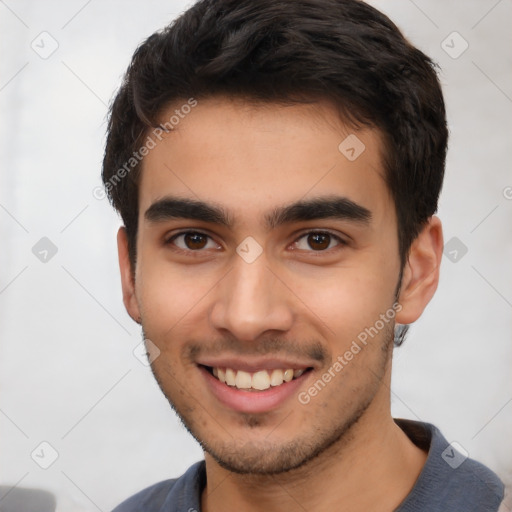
(252,158)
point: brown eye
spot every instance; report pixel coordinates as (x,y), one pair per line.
(192,241)
(318,241)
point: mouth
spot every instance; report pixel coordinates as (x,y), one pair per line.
(249,385)
(256,381)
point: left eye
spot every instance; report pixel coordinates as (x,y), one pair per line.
(318,240)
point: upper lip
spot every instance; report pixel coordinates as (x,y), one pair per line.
(254,365)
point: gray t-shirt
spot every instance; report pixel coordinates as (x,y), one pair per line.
(449,482)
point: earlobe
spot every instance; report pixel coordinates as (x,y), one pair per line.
(127,276)
(421,272)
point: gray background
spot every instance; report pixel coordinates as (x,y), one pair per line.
(68,373)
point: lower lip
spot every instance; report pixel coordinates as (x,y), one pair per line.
(252,401)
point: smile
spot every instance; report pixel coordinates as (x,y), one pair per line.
(250,385)
(257,381)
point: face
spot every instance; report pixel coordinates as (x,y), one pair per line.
(263,255)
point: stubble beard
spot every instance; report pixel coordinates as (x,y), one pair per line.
(267,458)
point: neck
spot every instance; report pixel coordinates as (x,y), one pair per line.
(374,465)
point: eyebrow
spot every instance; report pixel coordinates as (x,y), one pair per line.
(328,207)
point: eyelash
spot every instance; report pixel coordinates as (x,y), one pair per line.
(197,253)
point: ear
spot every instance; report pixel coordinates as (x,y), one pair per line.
(421,272)
(127,276)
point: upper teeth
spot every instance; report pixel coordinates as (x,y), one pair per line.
(259,380)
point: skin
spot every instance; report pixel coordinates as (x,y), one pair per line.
(294,301)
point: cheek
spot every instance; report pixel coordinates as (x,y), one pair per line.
(348,300)
(170,296)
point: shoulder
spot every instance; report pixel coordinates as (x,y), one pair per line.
(150,499)
(474,485)
(450,480)
(169,495)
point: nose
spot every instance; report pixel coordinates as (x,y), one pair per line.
(250,300)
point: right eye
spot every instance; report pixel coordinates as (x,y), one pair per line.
(191,241)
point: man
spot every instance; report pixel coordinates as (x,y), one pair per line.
(277,166)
